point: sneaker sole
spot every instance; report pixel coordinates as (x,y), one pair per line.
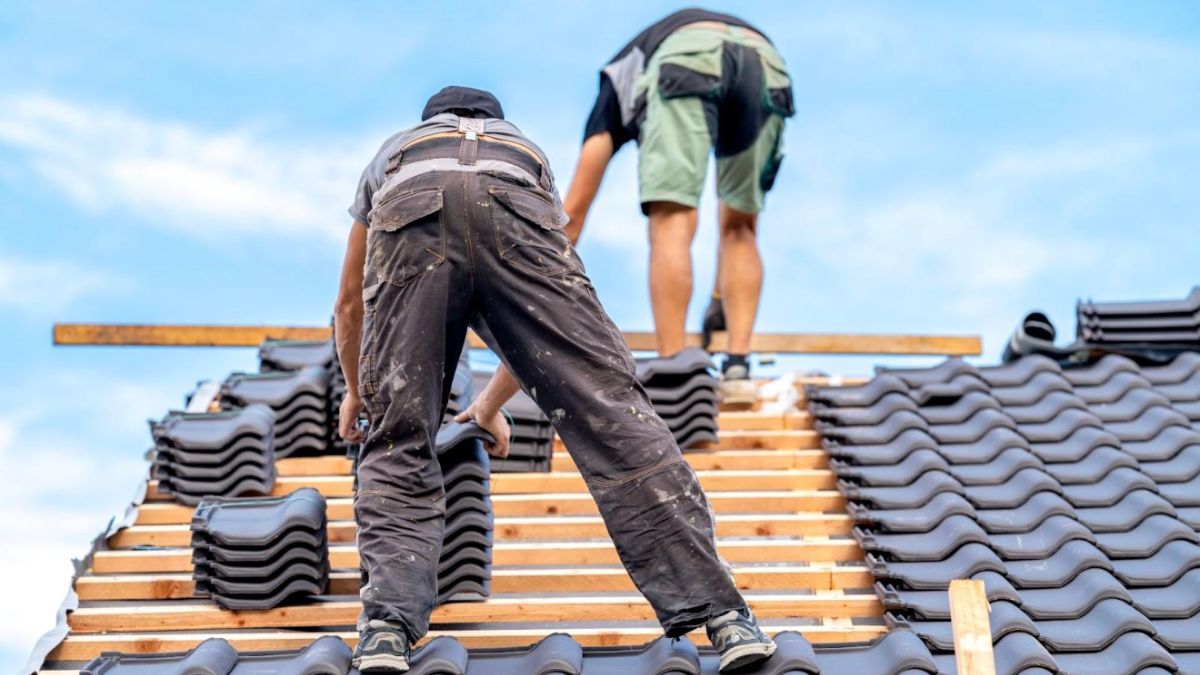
(746,655)
(381,663)
(738,394)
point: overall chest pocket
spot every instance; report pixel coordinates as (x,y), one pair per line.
(406,237)
(529,235)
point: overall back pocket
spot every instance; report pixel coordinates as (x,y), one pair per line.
(529,234)
(406,237)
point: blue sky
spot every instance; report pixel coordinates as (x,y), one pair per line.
(950,167)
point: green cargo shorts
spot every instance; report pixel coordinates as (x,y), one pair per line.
(711,89)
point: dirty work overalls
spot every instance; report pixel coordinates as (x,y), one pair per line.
(456,245)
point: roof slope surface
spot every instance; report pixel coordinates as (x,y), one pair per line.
(1073,493)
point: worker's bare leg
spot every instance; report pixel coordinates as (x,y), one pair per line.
(672,228)
(740,275)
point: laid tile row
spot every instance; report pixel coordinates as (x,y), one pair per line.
(1032,478)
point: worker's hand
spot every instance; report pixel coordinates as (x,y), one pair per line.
(352,407)
(492,421)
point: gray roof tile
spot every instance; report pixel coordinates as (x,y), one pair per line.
(1060,568)
(936,544)
(909,496)
(1027,516)
(1125,514)
(919,519)
(968,560)
(1042,541)
(1095,630)
(1075,598)
(1129,653)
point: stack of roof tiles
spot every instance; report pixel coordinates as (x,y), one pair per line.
(1074,494)
(300,400)
(557,654)
(1163,322)
(683,390)
(293,355)
(465,567)
(260,553)
(226,453)
(532,441)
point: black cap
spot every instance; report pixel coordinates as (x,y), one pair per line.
(464,102)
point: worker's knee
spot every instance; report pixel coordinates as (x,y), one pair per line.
(671,223)
(670,242)
(739,227)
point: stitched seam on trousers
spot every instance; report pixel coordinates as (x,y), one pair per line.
(388,492)
(615,339)
(637,474)
(467,224)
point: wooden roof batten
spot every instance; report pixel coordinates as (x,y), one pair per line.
(193,335)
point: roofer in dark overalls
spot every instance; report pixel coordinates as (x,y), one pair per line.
(695,82)
(458,224)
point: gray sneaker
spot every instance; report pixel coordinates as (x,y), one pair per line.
(737,389)
(738,639)
(383,648)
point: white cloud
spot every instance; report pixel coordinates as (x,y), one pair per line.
(70,463)
(938,43)
(205,183)
(44,287)
(970,251)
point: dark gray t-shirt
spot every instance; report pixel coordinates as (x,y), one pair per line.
(375,184)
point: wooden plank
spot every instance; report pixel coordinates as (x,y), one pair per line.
(759,421)
(85,647)
(561,461)
(251,336)
(166,615)
(326,465)
(541,528)
(788,439)
(768,440)
(557,504)
(510,554)
(714,481)
(972,629)
(169,335)
(534,483)
(732,460)
(179,586)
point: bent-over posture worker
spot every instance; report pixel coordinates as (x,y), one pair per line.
(694,82)
(457,224)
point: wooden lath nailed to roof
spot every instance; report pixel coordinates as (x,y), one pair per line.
(163,335)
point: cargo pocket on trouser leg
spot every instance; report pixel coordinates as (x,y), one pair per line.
(368,348)
(774,159)
(778,100)
(777,83)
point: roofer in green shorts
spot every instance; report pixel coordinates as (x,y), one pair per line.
(694,83)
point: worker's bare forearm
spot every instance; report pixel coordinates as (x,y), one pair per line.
(498,391)
(348,312)
(589,173)
(347,323)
